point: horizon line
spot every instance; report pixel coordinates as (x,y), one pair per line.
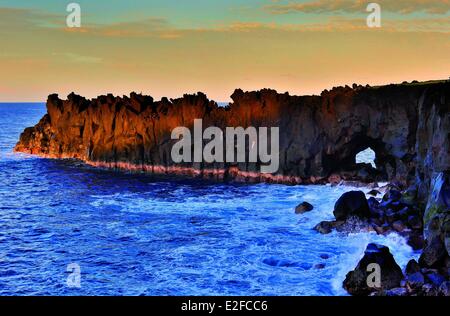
(429,81)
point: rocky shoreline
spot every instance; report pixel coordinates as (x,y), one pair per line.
(406,125)
(397,211)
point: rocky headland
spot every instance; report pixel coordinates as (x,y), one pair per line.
(406,125)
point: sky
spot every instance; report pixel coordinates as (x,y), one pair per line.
(168,48)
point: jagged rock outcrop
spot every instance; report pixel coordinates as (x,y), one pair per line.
(377,259)
(319,135)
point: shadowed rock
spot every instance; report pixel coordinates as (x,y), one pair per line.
(351,204)
(303,208)
(356,281)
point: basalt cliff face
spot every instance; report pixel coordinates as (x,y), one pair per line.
(406,125)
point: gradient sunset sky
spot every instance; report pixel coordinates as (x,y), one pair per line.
(168,47)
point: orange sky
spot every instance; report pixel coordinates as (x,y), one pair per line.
(302,49)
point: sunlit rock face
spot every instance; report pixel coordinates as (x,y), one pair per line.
(407,126)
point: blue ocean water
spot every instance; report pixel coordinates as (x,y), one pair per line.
(142,235)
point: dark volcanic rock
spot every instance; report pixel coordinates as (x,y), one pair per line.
(416,241)
(412,267)
(437,220)
(303,208)
(434,253)
(391,274)
(324,227)
(351,204)
(319,135)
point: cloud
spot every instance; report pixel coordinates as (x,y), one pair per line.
(145,27)
(359,6)
(12,19)
(82,59)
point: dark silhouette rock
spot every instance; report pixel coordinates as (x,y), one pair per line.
(324,227)
(412,267)
(351,204)
(416,241)
(303,208)
(391,274)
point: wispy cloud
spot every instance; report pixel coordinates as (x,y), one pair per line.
(77,58)
(355,6)
(12,19)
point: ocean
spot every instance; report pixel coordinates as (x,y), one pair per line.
(133,234)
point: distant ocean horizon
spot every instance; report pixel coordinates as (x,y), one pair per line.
(136,234)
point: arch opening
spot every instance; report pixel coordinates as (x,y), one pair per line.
(366,156)
(362,159)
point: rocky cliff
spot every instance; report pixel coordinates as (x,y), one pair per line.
(406,125)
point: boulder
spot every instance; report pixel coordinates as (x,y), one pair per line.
(303,208)
(412,267)
(390,273)
(324,227)
(434,253)
(353,203)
